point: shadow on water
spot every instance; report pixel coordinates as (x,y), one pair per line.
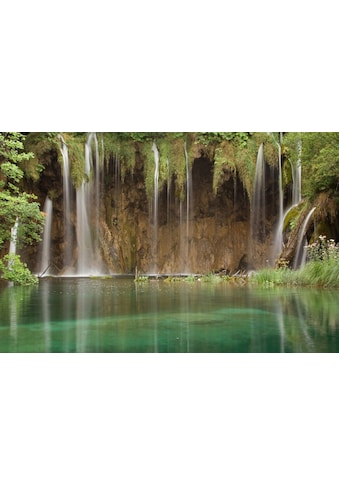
(118,315)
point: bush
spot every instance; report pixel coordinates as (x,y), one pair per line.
(13,269)
(323,249)
(321,269)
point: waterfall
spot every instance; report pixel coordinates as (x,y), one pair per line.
(168,190)
(155,207)
(296,178)
(278,234)
(300,255)
(258,206)
(296,198)
(87,212)
(68,234)
(185,222)
(12,244)
(46,238)
(14,238)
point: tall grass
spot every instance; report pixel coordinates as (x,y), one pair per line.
(273,277)
(319,273)
(321,270)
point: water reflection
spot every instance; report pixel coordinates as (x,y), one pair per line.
(83,315)
(14,303)
(45,291)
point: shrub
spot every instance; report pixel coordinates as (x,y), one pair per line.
(13,269)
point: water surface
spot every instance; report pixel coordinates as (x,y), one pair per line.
(118,315)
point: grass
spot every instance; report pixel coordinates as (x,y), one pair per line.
(323,274)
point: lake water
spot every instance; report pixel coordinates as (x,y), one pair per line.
(119,315)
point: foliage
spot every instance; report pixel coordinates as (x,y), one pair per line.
(16,205)
(121,147)
(13,269)
(323,249)
(41,144)
(211,278)
(141,278)
(320,273)
(292,216)
(236,158)
(149,165)
(216,137)
(269,277)
(322,269)
(319,160)
(76,154)
(126,146)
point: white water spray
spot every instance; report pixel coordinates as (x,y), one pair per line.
(67,204)
(258,205)
(14,238)
(46,238)
(278,238)
(185,230)
(296,177)
(155,207)
(300,256)
(87,210)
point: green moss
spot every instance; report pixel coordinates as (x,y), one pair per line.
(224,163)
(172,162)
(76,153)
(292,217)
(41,144)
(233,158)
(148,159)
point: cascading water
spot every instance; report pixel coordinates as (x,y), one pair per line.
(14,238)
(300,255)
(168,189)
(88,259)
(185,225)
(46,238)
(258,204)
(278,237)
(296,198)
(67,205)
(155,207)
(258,207)
(13,243)
(87,210)
(296,178)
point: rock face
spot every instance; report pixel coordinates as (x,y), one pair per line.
(209,234)
(198,232)
(183,227)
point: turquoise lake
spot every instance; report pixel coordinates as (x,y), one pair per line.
(119,315)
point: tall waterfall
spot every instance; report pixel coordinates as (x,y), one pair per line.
(296,178)
(67,204)
(278,236)
(296,198)
(155,207)
(46,238)
(300,255)
(13,242)
(258,205)
(185,219)
(87,212)
(85,258)
(14,238)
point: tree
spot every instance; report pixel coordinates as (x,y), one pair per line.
(319,160)
(15,204)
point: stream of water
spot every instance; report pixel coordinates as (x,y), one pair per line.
(119,315)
